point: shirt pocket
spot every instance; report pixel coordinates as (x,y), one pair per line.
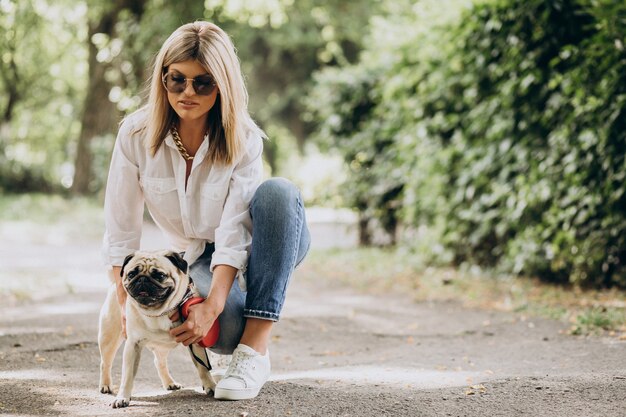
(212,200)
(162,197)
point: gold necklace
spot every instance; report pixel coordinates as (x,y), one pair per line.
(179,144)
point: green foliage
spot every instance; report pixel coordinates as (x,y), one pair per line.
(44,71)
(345,100)
(364,112)
(280,44)
(41,83)
(504,128)
(597,319)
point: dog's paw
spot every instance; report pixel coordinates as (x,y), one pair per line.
(174,386)
(106,389)
(208,389)
(121,402)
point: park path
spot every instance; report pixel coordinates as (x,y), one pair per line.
(335,352)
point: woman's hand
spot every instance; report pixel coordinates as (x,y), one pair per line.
(201,316)
(198,323)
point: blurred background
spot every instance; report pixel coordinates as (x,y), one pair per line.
(482,137)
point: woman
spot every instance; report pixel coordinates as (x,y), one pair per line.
(193,156)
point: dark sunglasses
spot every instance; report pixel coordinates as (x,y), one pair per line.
(176,83)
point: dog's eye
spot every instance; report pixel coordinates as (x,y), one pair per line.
(132,274)
(159,275)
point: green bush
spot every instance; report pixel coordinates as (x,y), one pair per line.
(348,97)
(503,128)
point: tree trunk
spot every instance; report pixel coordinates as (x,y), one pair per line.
(365,237)
(100,115)
(99,118)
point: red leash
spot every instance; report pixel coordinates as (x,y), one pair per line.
(210,339)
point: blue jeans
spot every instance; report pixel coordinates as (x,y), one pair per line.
(280,240)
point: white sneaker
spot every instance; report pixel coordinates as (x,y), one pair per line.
(247,373)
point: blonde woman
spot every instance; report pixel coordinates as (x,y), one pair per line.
(192,155)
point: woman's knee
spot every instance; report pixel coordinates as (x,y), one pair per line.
(275,193)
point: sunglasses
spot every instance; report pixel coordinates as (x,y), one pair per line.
(176,83)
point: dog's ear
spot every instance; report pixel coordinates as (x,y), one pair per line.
(177,260)
(126,260)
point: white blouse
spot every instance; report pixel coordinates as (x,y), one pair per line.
(213,208)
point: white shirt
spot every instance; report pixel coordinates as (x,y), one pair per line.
(213,208)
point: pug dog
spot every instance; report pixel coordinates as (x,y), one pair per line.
(157,284)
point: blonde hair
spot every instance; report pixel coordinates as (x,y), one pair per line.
(229,122)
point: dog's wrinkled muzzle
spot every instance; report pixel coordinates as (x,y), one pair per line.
(148,292)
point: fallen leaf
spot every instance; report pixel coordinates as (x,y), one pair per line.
(475,389)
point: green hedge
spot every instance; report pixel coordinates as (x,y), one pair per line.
(501,132)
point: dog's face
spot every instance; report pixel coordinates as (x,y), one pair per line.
(151,278)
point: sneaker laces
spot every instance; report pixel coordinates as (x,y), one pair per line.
(239,365)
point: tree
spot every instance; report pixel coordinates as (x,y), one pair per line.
(70,70)
(281,44)
(40,85)
(100,114)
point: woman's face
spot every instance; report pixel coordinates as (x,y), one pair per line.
(188,104)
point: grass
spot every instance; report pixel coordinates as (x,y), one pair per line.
(380,270)
(46,218)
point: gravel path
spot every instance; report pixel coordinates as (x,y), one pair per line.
(335,352)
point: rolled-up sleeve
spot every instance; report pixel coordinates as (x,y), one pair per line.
(123,203)
(234,233)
